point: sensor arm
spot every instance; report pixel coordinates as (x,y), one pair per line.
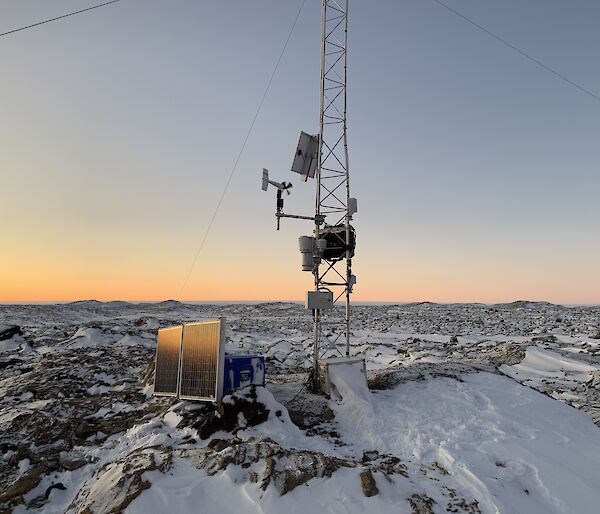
(285,186)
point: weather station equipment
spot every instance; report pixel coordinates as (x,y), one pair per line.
(191,363)
(328,252)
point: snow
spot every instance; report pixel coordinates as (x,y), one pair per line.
(540,364)
(89,337)
(131,340)
(476,403)
(10,345)
(515,450)
(278,427)
(186,489)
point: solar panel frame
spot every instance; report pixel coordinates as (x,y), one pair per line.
(202,361)
(167,361)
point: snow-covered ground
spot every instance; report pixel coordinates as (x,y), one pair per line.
(470,408)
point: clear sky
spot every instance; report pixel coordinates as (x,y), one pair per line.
(476,171)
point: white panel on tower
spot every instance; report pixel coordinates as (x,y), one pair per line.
(307,154)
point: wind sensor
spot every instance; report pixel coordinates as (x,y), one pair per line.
(328,252)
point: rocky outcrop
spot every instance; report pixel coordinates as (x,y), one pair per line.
(117,484)
(227,416)
(8,331)
(368,484)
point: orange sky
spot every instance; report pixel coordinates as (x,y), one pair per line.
(42,272)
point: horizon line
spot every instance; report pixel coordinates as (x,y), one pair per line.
(358,302)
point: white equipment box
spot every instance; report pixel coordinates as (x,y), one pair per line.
(326,364)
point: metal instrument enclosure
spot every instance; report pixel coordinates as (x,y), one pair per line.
(242,371)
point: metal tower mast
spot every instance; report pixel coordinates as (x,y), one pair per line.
(333,183)
(324,156)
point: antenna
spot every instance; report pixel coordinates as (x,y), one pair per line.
(324,156)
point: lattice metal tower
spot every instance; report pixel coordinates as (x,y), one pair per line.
(324,156)
(333,182)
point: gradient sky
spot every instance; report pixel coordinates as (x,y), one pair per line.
(476,171)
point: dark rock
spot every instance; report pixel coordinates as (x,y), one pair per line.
(241,402)
(8,331)
(84,429)
(23,484)
(21,453)
(9,362)
(284,469)
(368,484)
(148,377)
(504,353)
(369,456)
(548,338)
(298,418)
(60,486)
(71,462)
(89,498)
(219,444)
(421,504)
(327,414)
(391,465)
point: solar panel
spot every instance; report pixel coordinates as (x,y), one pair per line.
(167,361)
(202,359)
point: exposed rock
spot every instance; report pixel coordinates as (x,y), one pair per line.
(117,484)
(148,377)
(368,484)
(392,376)
(390,465)
(71,462)
(84,429)
(59,485)
(219,444)
(21,452)
(242,403)
(546,338)
(369,456)
(8,331)
(284,469)
(29,480)
(298,418)
(327,414)
(421,504)
(504,353)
